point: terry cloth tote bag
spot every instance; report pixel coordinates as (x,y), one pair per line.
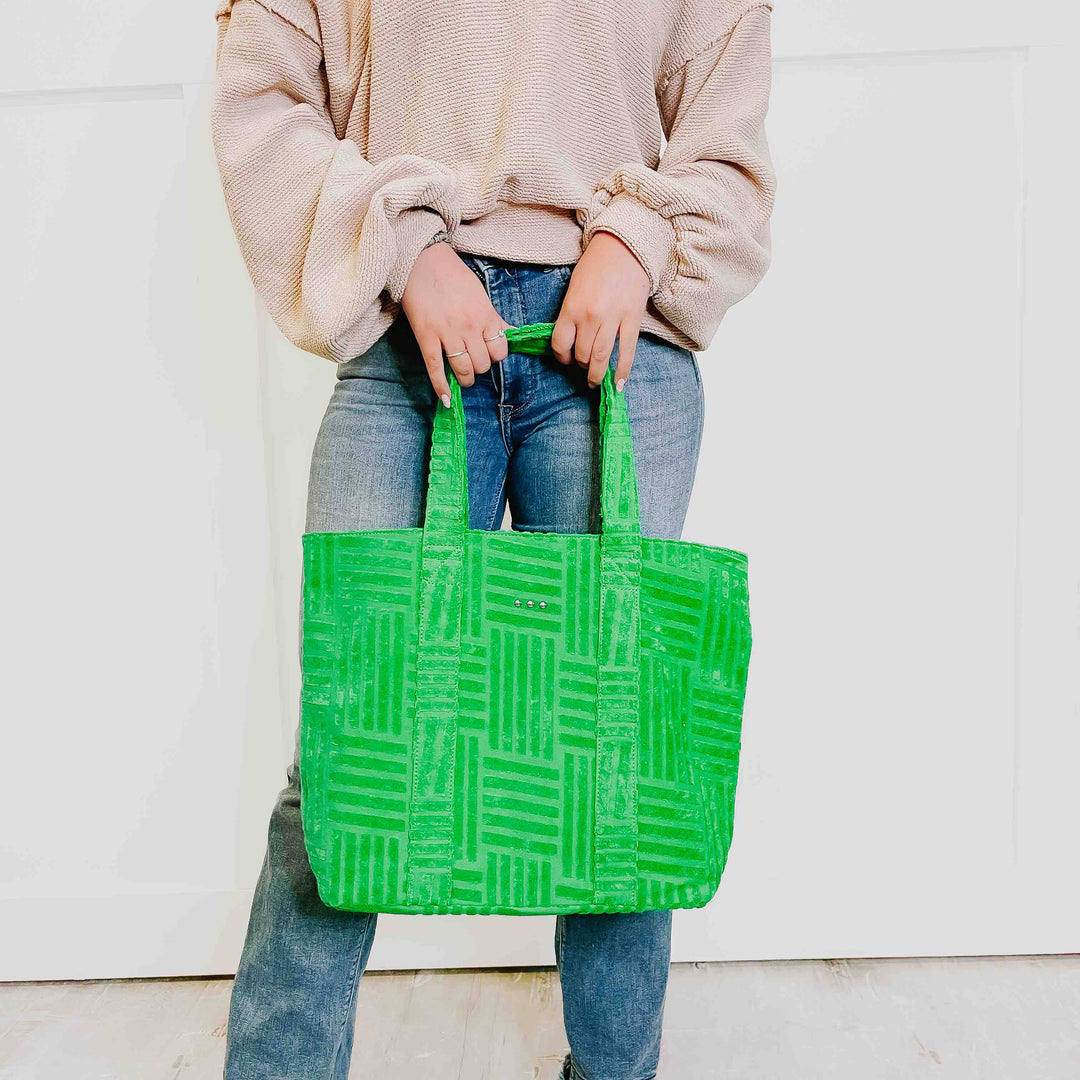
(500,722)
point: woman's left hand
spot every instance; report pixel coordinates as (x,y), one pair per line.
(605,299)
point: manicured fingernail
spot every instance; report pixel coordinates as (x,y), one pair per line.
(446,400)
(620,384)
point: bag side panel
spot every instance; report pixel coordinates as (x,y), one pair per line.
(695,643)
(359,669)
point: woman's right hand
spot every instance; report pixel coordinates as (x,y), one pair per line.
(449,310)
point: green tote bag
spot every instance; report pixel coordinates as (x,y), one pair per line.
(520,723)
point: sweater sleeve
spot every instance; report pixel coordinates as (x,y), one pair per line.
(323,231)
(699,223)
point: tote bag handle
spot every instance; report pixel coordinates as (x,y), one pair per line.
(447,495)
(430,839)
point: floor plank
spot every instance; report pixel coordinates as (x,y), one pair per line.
(966,1018)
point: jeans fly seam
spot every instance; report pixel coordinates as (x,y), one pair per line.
(504,411)
(498,505)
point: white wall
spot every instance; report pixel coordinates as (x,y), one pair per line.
(891,416)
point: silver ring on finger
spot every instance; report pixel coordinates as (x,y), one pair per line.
(498,334)
(452,354)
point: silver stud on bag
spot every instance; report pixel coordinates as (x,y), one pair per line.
(543,603)
(529,604)
(517,603)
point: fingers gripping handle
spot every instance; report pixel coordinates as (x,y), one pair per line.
(447,499)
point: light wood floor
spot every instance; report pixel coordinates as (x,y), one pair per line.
(976,1018)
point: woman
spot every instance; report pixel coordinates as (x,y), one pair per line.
(406,179)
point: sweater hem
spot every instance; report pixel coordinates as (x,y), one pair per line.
(548,236)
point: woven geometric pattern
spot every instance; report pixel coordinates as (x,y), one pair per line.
(520,723)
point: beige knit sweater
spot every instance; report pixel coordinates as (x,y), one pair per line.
(349,132)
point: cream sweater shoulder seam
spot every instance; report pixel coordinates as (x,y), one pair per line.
(289,11)
(666,74)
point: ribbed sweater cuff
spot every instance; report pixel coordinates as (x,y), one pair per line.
(413,229)
(646,232)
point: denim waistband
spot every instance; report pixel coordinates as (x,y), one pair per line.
(488,262)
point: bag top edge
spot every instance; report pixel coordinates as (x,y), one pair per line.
(521,534)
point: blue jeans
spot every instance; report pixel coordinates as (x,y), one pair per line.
(531,438)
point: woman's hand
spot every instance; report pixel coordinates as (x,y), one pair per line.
(449,309)
(606,297)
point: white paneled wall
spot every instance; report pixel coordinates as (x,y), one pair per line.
(142,701)
(890,435)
